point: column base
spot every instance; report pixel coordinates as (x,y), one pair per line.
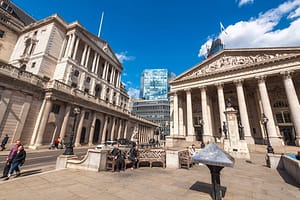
(34,147)
(173,141)
(207,139)
(276,141)
(191,138)
(77,145)
(249,140)
(297,141)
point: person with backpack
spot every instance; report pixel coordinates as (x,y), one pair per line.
(18,159)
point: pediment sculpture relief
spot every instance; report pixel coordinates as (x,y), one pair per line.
(228,62)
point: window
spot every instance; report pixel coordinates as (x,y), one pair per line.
(33,65)
(55,108)
(88,80)
(86,115)
(74,85)
(76,73)
(1,34)
(86,90)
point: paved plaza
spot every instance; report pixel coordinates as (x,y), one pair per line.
(248,179)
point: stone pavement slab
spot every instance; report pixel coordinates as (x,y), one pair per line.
(245,181)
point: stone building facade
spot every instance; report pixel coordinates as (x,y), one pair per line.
(254,81)
(54,68)
(12,21)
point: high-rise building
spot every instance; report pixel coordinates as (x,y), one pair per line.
(155,84)
(154,104)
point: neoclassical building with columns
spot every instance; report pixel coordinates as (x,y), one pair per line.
(256,81)
(54,68)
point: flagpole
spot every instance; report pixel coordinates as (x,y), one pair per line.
(100,26)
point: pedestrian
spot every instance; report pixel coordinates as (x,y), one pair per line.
(9,158)
(4,142)
(133,156)
(57,142)
(17,161)
(118,157)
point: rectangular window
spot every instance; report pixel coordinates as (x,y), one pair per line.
(74,85)
(279,117)
(33,65)
(86,115)
(1,34)
(55,108)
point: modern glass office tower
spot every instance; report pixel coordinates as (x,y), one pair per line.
(154,104)
(155,84)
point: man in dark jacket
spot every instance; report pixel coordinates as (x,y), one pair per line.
(119,160)
(9,158)
(17,160)
(4,142)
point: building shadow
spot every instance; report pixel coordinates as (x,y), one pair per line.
(287,178)
(31,172)
(206,188)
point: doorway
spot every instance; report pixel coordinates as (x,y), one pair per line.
(288,135)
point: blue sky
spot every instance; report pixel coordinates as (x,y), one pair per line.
(174,34)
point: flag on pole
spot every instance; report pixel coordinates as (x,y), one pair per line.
(222,28)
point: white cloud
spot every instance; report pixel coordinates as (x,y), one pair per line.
(133,92)
(244,2)
(261,31)
(123,57)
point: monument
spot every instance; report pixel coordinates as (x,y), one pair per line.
(234,142)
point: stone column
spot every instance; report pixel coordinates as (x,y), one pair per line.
(43,122)
(71,45)
(180,117)
(243,112)
(207,135)
(65,122)
(83,55)
(87,57)
(293,103)
(105,70)
(267,109)
(125,129)
(92,130)
(68,45)
(175,115)
(76,48)
(94,62)
(79,128)
(120,128)
(189,112)
(104,129)
(221,101)
(112,132)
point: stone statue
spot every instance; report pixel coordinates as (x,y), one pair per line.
(225,129)
(228,102)
(241,131)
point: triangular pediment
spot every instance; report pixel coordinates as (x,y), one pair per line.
(231,59)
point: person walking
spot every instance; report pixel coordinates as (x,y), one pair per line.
(9,158)
(4,142)
(17,160)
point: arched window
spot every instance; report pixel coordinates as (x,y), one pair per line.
(88,79)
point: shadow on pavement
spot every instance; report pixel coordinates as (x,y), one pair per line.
(31,172)
(287,178)
(206,188)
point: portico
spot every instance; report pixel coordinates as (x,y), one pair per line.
(257,81)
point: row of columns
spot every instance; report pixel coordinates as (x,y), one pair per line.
(118,127)
(72,43)
(266,109)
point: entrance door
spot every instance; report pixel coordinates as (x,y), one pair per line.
(199,133)
(82,136)
(288,135)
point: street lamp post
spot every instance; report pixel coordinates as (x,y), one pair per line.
(264,121)
(69,147)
